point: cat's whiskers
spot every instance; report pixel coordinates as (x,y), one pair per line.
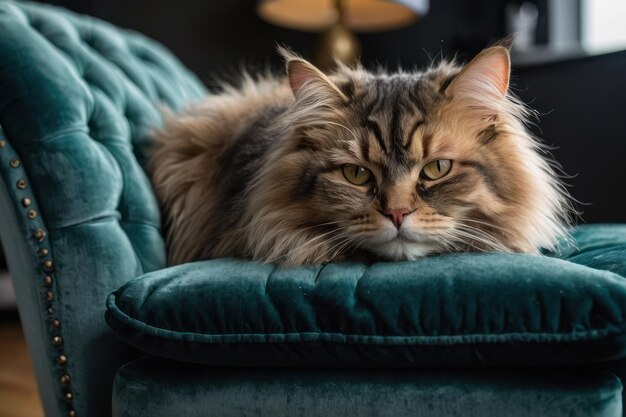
(485,224)
(461,227)
(336,248)
(447,241)
(479,236)
(473,239)
(348,236)
(304,247)
(478,231)
(300,247)
(339,247)
(322,225)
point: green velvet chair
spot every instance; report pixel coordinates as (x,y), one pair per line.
(113,332)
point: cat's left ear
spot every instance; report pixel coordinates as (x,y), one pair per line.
(486,76)
(305,77)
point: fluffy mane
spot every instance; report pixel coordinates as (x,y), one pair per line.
(259,171)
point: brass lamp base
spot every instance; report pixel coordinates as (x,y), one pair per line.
(337,44)
(337,18)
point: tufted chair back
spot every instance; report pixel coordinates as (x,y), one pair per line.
(78,217)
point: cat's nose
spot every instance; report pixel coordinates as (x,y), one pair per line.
(396,215)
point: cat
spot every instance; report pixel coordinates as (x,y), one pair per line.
(314,168)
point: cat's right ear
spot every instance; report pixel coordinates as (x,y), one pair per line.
(305,78)
(486,76)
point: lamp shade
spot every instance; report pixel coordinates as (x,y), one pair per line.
(357,15)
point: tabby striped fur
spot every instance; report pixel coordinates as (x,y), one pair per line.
(255,171)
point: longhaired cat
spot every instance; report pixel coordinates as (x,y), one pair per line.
(313,168)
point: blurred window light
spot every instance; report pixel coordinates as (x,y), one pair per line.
(602,24)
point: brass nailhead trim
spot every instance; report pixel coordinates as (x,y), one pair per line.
(2,144)
(14,163)
(40,234)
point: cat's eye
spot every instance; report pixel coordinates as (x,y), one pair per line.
(437,169)
(356,175)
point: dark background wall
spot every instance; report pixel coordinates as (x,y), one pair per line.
(219,35)
(582,101)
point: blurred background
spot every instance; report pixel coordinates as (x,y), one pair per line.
(569,61)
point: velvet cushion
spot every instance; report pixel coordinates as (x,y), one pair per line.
(153,387)
(451,310)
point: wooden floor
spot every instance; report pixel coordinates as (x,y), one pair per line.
(18,390)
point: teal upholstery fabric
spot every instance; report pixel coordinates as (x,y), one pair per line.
(78,217)
(154,387)
(453,310)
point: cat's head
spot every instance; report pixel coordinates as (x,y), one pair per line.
(407,164)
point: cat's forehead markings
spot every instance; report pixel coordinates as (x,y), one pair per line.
(376,132)
(417,123)
(426,142)
(404,153)
(393,110)
(392,167)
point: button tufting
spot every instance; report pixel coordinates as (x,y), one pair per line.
(111,93)
(40,234)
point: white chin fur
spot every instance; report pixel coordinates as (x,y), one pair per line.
(404,245)
(402,250)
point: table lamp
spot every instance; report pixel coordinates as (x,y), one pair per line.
(338,18)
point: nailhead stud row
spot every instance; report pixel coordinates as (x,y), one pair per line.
(48,267)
